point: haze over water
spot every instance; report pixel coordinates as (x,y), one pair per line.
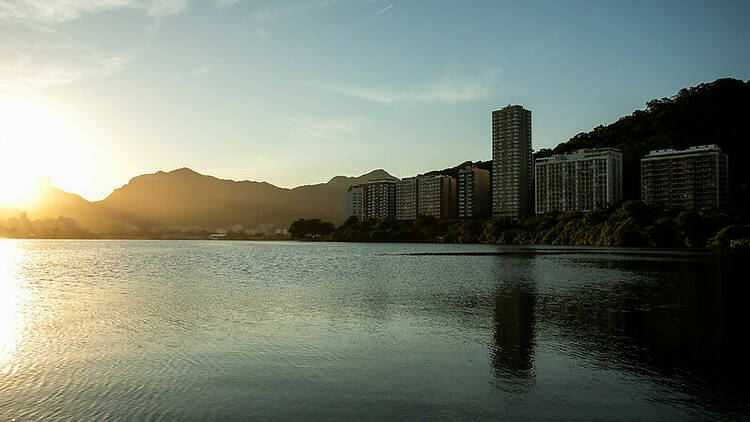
(150,330)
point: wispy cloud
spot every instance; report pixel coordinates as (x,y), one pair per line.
(28,72)
(41,54)
(300,147)
(287,8)
(161,8)
(383,10)
(319,131)
(198,71)
(447,89)
(54,11)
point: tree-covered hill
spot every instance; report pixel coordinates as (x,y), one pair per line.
(710,113)
(453,171)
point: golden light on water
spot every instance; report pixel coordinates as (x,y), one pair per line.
(36,141)
(10,301)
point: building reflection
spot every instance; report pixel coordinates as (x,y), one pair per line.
(513,350)
(514,319)
(682,319)
(677,321)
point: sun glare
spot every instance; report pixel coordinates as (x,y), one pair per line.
(37,142)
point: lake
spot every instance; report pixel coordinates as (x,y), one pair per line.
(202,330)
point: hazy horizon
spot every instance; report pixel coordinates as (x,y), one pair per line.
(95,93)
(48,181)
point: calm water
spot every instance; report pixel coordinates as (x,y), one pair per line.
(131,330)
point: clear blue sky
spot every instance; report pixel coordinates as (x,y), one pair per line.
(295,92)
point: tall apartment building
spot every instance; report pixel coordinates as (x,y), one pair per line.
(436,196)
(512,183)
(694,178)
(379,199)
(354,202)
(374,199)
(406,199)
(585,180)
(473,187)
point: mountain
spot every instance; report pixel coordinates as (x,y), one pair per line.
(183,197)
(710,113)
(50,203)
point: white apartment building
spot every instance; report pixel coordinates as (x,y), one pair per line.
(585,180)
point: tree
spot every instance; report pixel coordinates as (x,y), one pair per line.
(311,229)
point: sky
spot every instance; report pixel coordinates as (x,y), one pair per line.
(293,92)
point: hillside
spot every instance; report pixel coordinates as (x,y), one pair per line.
(710,113)
(453,171)
(185,198)
(51,203)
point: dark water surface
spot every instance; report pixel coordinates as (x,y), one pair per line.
(152,330)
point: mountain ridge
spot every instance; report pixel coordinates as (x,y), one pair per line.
(183,197)
(712,112)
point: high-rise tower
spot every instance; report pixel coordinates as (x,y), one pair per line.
(512,182)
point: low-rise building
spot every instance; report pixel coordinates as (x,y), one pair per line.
(585,180)
(694,178)
(473,187)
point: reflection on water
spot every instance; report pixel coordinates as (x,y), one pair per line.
(678,320)
(10,298)
(513,352)
(675,318)
(229,331)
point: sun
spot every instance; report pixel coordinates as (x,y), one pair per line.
(37,142)
(16,193)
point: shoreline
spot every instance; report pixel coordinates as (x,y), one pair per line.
(412,242)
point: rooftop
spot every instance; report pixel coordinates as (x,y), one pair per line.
(691,150)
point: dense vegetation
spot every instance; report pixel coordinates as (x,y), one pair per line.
(632,224)
(453,171)
(314,229)
(710,113)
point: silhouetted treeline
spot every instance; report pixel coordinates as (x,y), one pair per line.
(311,229)
(632,224)
(453,171)
(710,113)
(22,227)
